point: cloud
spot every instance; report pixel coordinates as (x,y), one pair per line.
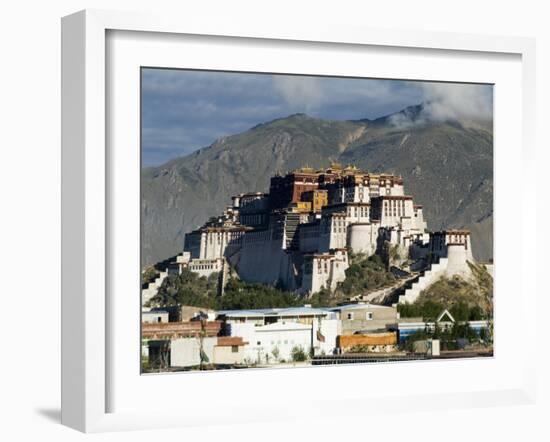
(305,93)
(344,98)
(449,102)
(453,101)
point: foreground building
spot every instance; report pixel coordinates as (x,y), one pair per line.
(368,343)
(406,327)
(273,334)
(266,337)
(364,317)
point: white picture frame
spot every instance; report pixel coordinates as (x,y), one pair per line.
(87,211)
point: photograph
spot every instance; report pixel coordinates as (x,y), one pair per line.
(306,220)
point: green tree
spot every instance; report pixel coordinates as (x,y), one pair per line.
(460,311)
(298,354)
(364,274)
(188,288)
(323,298)
(242,295)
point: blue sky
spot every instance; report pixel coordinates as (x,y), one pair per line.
(183,110)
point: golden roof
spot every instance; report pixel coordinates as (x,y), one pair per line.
(305,169)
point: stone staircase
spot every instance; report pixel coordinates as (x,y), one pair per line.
(431,275)
(385,295)
(152,288)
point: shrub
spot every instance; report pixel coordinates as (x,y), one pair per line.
(190,289)
(298,354)
(365,274)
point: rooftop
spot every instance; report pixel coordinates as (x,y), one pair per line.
(289,311)
(452,232)
(359,305)
(230,341)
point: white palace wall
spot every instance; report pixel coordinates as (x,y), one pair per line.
(457,261)
(362,238)
(263,259)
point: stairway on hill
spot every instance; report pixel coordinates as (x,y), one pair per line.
(436,271)
(152,288)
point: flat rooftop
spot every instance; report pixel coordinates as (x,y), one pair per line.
(289,311)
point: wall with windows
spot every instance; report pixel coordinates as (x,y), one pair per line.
(364,317)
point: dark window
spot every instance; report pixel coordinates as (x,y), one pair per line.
(234,349)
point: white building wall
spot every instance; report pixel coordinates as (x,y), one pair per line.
(338,233)
(457,261)
(330,329)
(326,271)
(393,210)
(225,355)
(362,238)
(285,336)
(262,340)
(212,246)
(358,214)
(397,190)
(183,258)
(338,266)
(205,267)
(409,208)
(150,317)
(320,275)
(418,220)
(185,352)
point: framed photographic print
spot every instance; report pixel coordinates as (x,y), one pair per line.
(274,217)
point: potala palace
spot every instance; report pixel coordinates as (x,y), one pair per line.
(302,233)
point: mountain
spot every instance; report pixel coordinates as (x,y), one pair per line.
(447,166)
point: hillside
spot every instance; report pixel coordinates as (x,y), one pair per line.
(447,167)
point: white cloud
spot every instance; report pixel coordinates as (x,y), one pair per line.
(305,93)
(450,102)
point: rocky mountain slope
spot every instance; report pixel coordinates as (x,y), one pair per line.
(447,167)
